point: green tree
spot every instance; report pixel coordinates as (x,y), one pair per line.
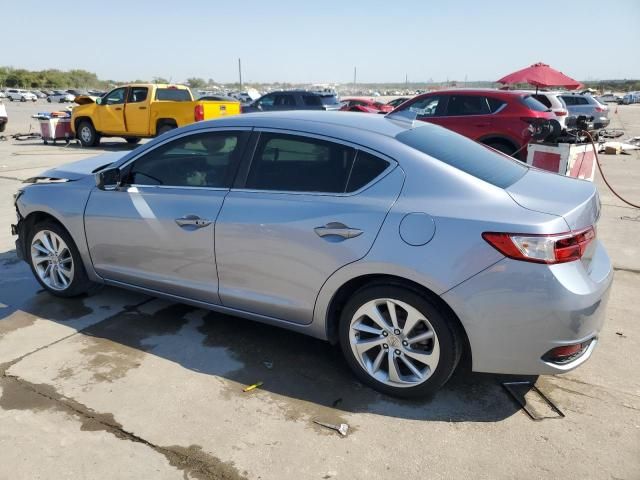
(195,82)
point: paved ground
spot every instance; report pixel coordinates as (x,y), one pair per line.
(119,385)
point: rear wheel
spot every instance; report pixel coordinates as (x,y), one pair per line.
(55,260)
(132,140)
(87,134)
(398,342)
(164,128)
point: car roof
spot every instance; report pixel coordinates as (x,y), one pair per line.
(477,91)
(295,119)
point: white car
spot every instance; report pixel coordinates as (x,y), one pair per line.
(60,96)
(553,102)
(20,95)
(4,119)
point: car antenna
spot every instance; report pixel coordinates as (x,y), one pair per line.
(404,117)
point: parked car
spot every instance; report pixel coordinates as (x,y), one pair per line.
(407,245)
(293,100)
(4,118)
(631,97)
(364,105)
(60,96)
(142,110)
(553,101)
(2,94)
(396,102)
(609,98)
(39,94)
(578,104)
(497,118)
(20,95)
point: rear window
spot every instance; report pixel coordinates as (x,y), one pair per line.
(173,94)
(329,100)
(533,104)
(495,104)
(465,154)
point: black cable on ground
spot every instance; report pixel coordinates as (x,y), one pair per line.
(595,151)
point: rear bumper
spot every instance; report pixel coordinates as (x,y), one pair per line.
(515,312)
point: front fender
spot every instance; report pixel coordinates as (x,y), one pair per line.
(84,111)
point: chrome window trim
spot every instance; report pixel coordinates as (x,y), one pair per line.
(392,164)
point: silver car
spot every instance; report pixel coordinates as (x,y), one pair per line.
(578,104)
(404,242)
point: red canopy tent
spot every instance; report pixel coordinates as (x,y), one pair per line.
(541,75)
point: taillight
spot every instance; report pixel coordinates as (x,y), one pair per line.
(598,109)
(199,113)
(550,249)
(561,113)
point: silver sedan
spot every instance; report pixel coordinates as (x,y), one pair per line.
(406,244)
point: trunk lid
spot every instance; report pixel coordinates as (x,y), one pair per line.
(575,200)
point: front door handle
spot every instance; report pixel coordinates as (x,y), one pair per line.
(337,229)
(192,222)
(142,108)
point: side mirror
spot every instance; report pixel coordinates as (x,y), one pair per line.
(99,101)
(108,179)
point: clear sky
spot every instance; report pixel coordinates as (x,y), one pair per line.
(322,40)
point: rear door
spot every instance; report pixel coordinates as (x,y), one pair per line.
(468,115)
(111,112)
(136,111)
(305,206)
(156,230)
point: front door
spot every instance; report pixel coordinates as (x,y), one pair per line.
(157,230)
(111,112)
(302,213)
(136,111)
(468,115)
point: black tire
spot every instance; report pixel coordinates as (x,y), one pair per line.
(80,283)
(48,99)
(444,326)
(87,134)
(10,99)
(132,140)
(22,99)
(164,128)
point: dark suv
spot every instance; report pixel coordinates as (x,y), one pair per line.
(497,118)
(293,100)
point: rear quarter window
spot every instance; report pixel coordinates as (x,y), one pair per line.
(173,94)
(464,154)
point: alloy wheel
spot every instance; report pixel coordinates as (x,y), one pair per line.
(394,343)
(85,134)
(52,260)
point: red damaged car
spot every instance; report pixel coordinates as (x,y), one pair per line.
(498,118)
(364,105)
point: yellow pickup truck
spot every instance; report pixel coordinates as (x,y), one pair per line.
(142,110)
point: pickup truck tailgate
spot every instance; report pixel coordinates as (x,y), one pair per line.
(213,109)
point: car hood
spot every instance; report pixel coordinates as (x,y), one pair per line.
(575,200)
(80,169)
(84,99)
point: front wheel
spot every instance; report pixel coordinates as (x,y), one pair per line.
(398,342)
(87,134)
(55,260)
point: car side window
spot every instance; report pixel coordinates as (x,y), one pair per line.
(199,160)
(467,105)
(426,107)
(581,101)
(312,100)
(284,101)
(495,104)
(115,97)
(365,169)
(569,101)
(299,164)
(266,101)
(137,94)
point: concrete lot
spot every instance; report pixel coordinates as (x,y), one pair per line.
(120,385)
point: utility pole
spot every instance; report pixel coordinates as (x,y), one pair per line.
(406,80)
(354,79)
(240,72)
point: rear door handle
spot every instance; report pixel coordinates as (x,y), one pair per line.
(337,229)
(192,222)
(142,108)
(118,108)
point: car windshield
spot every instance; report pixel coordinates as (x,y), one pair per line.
(465,154)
